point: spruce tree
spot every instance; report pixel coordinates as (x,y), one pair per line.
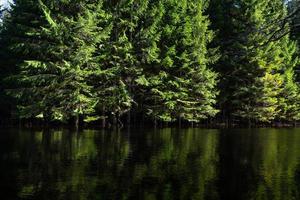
(252,64)
(54,70)
(2,93)
(147,50)
(294,11)
(23,17)
(116,86)
(282,59)
(290,96)
(177,78)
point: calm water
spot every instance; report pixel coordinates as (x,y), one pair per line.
(258,164)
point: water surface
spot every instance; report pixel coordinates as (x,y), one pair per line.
(250,164)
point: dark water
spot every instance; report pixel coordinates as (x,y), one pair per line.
(261,164)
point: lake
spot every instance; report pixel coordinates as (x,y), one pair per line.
(240,164)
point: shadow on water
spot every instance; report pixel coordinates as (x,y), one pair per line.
(150,164)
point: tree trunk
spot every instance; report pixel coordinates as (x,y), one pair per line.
(128,118)
(103,115)
(249,122)
(77,122)
(179,122)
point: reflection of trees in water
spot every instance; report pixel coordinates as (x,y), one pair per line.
(297,178)
(236,174)
(63,164)
(259,164)
(53,164)
(8,184)
(277,156)
(161,164)
(169,164)
(166,164)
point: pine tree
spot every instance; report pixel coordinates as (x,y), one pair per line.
(147,50)
(282,59)
(294,10)
(177,78)
(23,17)
(290,95)
(120,66)
(3,103)
(251,64)
(54,71)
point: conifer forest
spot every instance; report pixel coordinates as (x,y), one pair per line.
(120,62)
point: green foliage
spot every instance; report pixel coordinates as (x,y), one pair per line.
(168,59)
(253,66)
(14,39)
(176,60)
(290,95)
(53,77)
(115,83)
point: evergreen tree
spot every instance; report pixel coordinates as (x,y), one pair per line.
(177,81)
(147,49)
(294,11)
(2,93)
(116,86)
(57,62)
(290,95)
(23,17)
(251,64)
(282,59)
(85,59)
